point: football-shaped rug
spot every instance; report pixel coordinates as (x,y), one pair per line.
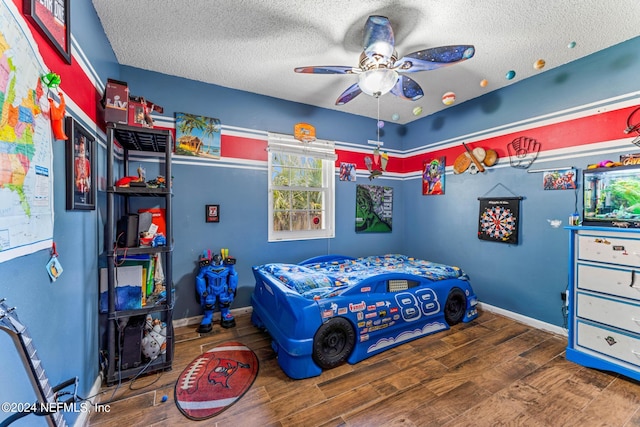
(215,380)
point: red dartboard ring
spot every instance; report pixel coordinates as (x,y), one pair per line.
(498,222)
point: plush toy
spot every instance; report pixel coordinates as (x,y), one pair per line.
(155,337)
(51,80)
(57,117)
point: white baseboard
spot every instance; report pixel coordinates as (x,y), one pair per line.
(83,419)
(195,320)
(524,319)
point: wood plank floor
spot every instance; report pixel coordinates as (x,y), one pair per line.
(493,371)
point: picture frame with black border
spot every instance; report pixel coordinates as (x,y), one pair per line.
(212,213)
(53,23)
(80,159)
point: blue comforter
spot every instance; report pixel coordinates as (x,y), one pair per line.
(320,279)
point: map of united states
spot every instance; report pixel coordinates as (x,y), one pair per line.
(26,140)
(16,128)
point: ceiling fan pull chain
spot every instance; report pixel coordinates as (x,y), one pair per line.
(378,123)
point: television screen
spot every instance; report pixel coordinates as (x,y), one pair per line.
(612,196)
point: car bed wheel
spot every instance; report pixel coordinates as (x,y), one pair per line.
(333,343)
(455,306)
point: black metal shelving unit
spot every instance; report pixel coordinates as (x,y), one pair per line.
(142,141)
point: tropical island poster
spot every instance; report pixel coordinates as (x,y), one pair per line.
(197,136)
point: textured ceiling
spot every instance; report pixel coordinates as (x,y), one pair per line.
(255,45)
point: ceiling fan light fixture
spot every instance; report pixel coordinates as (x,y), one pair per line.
(377,82)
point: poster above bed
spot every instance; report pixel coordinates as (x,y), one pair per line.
(374,209)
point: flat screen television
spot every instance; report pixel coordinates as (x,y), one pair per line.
(612,197)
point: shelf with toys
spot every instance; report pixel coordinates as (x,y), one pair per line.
(137,283)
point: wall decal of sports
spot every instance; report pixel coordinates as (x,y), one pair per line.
(499,219)
(523,151)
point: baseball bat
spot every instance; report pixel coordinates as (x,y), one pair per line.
(473,158)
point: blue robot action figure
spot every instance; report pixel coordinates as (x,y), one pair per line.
(216,283)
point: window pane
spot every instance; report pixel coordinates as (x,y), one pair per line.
(281,221)
(299,200)
(315,178)
(316,222)
(281,200)
(302,191)
(299,177)
(280,176)
(299,221)
(312,163)
(315,199)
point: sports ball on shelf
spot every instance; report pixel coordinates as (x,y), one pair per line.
(491,157)
(462,163)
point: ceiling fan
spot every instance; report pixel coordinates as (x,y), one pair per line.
(380,71)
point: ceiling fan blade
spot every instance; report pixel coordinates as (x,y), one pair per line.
(378,37)
(431,59)
(325,69)
(353,91)
(407,88)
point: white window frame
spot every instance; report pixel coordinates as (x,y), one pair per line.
(318,149)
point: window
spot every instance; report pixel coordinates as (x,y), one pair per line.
(301,188)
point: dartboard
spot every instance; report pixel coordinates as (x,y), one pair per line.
(498,222)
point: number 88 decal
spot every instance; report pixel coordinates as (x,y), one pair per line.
(414,306)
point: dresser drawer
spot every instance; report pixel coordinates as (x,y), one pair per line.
(621,282)
(619,314)
(605,248)
(615,344)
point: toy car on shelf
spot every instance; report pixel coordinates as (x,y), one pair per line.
(334,309)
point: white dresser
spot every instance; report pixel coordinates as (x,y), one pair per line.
(604,299)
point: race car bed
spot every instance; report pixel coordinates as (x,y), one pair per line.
(331,309)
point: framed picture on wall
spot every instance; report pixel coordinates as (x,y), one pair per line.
(80,156)
(212,213)
(51,18)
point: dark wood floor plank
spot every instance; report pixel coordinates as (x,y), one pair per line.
(493,371)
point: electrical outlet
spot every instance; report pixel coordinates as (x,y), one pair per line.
(564,296)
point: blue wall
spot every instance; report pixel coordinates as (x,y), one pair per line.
(61,316)
(441,228)
(525,279)
(242,193)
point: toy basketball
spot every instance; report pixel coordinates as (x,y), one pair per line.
(304,132)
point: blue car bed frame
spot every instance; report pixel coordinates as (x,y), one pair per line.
(334,309)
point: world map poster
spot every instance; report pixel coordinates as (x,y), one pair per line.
(26,179)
